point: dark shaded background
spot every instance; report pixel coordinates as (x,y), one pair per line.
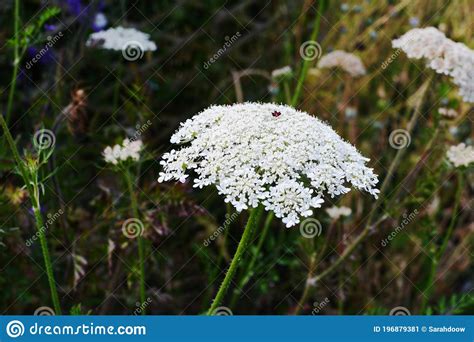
(170,85)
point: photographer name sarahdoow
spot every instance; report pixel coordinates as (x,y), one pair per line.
(417,329)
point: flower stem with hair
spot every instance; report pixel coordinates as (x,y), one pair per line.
(141,242)
(306,62)
(29,169)
(241,248)
(16,58)
(248,270)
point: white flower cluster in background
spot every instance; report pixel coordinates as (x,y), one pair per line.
(461,155)
(336,212)
(118,38)
(282,72)
(267,154)
(100,20)
(449,113)
(348,62)
(123,152)
(443,55)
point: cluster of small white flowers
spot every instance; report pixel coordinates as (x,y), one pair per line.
(336,212)
(117,38)
(461,155)
(448,112)
(120,153)
(282,72)
(267,154)
(443,55)
(348,62)
(100,20)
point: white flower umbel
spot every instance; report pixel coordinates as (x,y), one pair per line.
(348,62)
(284,72)
(124,156)
(119,37)
(449,113)
(443,55)
(128,150)
(461,155)
(336,212)
(267,154)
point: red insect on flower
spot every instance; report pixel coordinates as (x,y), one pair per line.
(276,114)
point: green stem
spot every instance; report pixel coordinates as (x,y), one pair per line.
(412,174)
(248,273)
(141,246)
(307,287)
(306,62)
(16,59)
(286,88)
(16,154)
(243,245)
(454,215)
(428,290)
(315,259)
(47,259)
(33,193)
